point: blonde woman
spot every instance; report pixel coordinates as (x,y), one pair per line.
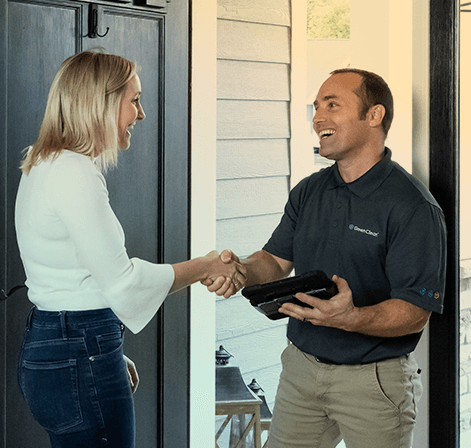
(84,287)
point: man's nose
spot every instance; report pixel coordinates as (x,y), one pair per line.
(318,117)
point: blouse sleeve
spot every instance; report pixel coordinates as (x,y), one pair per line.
(134,289)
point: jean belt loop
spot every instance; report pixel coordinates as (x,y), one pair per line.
(63,317)
(30,318)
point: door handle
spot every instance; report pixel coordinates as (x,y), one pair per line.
(4,295)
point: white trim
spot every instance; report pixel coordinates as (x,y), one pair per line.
(203,218)
(400,80)
(420,90)
(301,150)
(420,168)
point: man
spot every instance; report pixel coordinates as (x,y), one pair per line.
(348,371)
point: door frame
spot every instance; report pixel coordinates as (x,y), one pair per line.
(174,315)
(444,184)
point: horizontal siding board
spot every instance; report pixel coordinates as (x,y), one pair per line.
(252,119)
(246,235)
(252,42)
(250,197)
(252,80)
(262,11)
(256,350)
(252,158)
(235,317)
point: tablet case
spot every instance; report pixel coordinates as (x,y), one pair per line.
(268,297)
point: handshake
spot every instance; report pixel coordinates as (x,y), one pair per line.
(225,275)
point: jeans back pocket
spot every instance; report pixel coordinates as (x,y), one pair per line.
(51,391)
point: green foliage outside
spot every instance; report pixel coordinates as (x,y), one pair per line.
(328,19)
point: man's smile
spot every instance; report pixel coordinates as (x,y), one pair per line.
(326,133)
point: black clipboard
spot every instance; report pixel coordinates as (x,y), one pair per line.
(268,297)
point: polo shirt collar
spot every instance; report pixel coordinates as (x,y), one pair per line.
(370,181)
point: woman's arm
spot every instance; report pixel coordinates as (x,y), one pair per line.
(200,269)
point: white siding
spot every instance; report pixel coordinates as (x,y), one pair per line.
(253,80)
(253,134)
(252,158)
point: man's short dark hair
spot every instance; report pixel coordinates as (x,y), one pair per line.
(373,90)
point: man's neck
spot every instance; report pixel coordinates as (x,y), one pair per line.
(352,168)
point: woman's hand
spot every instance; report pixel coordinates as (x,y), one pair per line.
(226,274)
(132,374)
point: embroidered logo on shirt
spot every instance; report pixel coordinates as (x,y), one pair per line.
(365,231)
(430,293)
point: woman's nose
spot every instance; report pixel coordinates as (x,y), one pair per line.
(141,114)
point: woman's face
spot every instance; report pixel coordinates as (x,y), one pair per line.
(130,111)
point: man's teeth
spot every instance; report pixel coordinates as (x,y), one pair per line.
(326,133)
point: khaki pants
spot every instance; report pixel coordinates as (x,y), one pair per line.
(369,406)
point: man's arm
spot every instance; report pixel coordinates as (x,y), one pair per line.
(264,267)
(391,318)
(260,267)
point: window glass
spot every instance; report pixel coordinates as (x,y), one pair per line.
(465,224)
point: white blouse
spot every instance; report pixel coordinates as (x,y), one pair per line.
(72,245)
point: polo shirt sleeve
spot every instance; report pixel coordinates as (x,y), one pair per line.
(416,257)
(280,243)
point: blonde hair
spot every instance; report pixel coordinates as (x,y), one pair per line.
(82,109)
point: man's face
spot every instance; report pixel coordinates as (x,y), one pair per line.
(337,121)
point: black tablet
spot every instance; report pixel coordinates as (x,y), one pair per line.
(268,297)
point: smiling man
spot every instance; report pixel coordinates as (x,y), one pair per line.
(349,371)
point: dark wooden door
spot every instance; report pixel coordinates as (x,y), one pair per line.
(148,190)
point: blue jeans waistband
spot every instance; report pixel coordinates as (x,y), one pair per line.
(69,319)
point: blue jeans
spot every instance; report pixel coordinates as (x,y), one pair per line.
(74,378)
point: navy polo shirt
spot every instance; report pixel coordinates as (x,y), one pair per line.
(383,233)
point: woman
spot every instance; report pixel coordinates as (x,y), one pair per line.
(83,285)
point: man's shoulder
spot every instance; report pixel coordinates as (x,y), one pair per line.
(316,178)
(405,185)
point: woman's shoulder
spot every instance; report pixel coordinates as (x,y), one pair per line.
(71,171)
(68,158)
(69,165)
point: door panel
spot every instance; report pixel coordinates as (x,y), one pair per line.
(33,63)
(35,37)
(135,186)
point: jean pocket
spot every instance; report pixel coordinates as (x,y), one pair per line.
(51,391)
(108,343)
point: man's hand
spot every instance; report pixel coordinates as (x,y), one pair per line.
(391,318)
(224,284)
(336,312)
(132,374)
(260,267)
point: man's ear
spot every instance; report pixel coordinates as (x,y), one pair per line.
(376,115)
